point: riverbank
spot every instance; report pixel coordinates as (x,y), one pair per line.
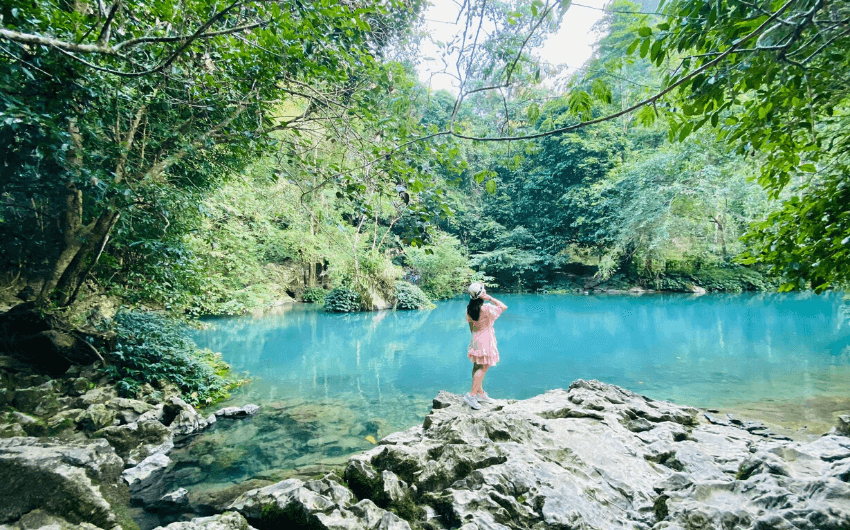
(516,464)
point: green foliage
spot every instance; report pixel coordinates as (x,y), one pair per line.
(124,121)
(779,94)
(151,348)
(342,300)
(442,267)
(409,296)
(713,278)
(314,295)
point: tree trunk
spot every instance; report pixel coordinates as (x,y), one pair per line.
(70,268)
(719,236)
(87,257)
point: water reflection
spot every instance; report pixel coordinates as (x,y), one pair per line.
(706,350)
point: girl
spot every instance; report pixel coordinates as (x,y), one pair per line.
(482,348)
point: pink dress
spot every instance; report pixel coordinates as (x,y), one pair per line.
(482,347)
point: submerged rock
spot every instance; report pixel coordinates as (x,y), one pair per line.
(237,412)
(594,457)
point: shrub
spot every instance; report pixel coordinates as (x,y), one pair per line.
(342,300)
(314,295)
(409,296)
(151,348)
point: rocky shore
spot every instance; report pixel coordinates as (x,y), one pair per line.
(594,456)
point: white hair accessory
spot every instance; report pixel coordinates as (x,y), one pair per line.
(475,290)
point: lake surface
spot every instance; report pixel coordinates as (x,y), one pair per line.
(331,384)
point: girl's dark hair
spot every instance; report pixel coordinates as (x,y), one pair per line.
(474,308)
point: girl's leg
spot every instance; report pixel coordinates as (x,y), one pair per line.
(478,373)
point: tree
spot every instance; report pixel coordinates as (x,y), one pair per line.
(772,78)
(103,110)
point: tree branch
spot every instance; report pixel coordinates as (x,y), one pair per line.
(636,106)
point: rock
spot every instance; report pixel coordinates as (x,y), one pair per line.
(216,501)
(136,441)
(7,396)
(64,480)
(144,479)
(64,420)
(156,413)
(394,489)
(38,519)
(225,521)
(186,419)
(175,502)
(98,395)
(30,425)
(129,410)
(320,504)
(77,386)
(10,430)
(96,417)
(237,412)
(597,456)
(843,425)
(40,400)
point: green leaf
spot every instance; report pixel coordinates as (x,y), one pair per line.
(490,186)
(644,31)
(644,47)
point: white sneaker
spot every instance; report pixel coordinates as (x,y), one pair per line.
(483,398)
(470,400)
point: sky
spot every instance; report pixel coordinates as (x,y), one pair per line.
(572,45)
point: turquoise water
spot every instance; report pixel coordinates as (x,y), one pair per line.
(329,382)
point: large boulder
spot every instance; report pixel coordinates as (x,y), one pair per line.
(69,480)
(594,457)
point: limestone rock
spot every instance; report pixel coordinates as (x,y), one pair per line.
(10,430)
(65,480)
(38,519)
(98,395)
(176,501)
(136,441)
(237,412)
(597,457)
(145,479)
(843,425)
(7,396)
(225,521)
(39,400)
(129,410)
(65,419)
(320,504)
(96,417)
(186,418)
